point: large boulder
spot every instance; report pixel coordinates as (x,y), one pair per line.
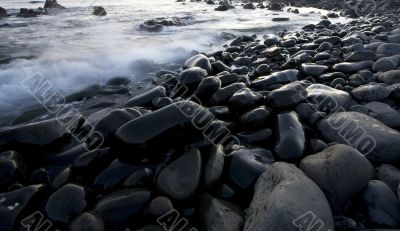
(340,171)
(283,198)
(99,11)
(371,137)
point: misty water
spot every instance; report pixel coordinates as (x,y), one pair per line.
(75,49)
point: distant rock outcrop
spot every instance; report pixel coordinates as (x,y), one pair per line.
(53,4)
(99,11)
(3,12)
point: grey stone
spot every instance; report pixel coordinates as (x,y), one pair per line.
(290,138)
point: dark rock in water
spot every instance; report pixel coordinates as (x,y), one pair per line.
(214,214)
(99,11)
(331,170)
(385,64)
(245,99)
(146,98)
(390,77)
(369,93)
(120,208)
(313,69)
(362,55)
(13,203)
(249,6)
(372,138)
(208,86)
(224,6)
(191,77)
(275,7)
(384,113)
(276,192)
(53,4)
(389,49)
(332,15)
(198,61)
(327,98)
(66,203)
(3,12)
(390,175)
(87,92)
(288,95)
(382,205)
(214,166)
(247,165)
(256,118)
(290,138)
(179,180)
(309,27)
(118,81)
(87,221)
(224,94)
(10,168)
(154,129)
(159,206)
(27,13)
(352,67)
(151,28)
(281,77)
(114,174)
(280,19)
(40,133)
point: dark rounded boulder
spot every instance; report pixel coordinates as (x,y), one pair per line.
(99,11)
(3,12)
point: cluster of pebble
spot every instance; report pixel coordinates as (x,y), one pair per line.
(311,120)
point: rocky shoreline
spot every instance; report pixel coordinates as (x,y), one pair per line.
(297,131)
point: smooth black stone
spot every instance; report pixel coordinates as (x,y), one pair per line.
(214,166)
(13,203)
(369,93)
(139,178)
(11,168)
(352,66)
(161,102)
(330,170)
(258,137)
(256,118)
(146,98)
(151,130)
(372,138)
(362,55)
(390,77)
(390,175)
(120,208)
(113,175)
(290,138)
(246,165)
(39,133)
(227,78)
(87,221)
(288,95)
(84,93)
(276,192)
(191,77)
(221,112)
(62,178)
(245,99)
(326,98)
(208,86)
(113,121)
(330,76)
(313,69)
(219,66)
(281,77)
(158,207)
(215,214)
(199,60)
(180,179)
(66,202)
(382,205)
(224,94)
(118,81)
